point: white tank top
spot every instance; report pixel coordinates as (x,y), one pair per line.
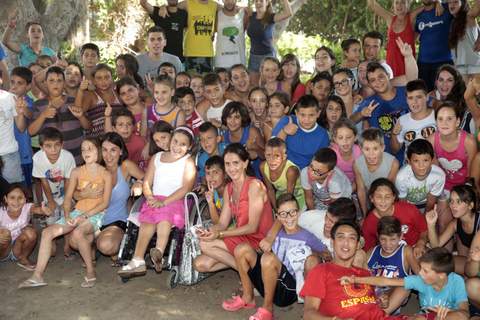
(216,112)
(230,42)
(168,176)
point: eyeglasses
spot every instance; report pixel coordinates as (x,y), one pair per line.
(343,82)
(317,172)
(291,213)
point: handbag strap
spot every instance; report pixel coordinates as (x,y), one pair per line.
(188,223)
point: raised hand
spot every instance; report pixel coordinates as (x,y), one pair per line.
(397,128)
(49,112)
(12,19)
(367,112)
(405,49)
(432,216)
(291,128)
(21,106)
(76,111)
(108,110)
(84,84)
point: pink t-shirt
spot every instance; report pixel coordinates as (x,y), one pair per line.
(15,226)
(347,166)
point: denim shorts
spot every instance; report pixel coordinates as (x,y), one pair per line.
(12,167)
(255,60)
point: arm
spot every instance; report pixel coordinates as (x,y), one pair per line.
(411,261)
(107,191)
(212,208)
(310,309)
(180,118)
(472,267)
(48,193)
(133,170)
(411,68)
(37,124)
(380,281)
(471,148)
(5,77)
(67,200)
(362,196)
(255,144)
(292,176)
(473,88)
(270,189)
(393,172)
(146,6)
(189,176)
(396,145)
(7,34)
(285,13)
(380,11)
(309,199)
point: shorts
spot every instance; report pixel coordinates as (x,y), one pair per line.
(10,257)
(255,60)
(118,223)
(285,290)
(200,65)
(467,69)
(12,168)
(95,220)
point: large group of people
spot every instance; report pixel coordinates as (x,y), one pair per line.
(344,193)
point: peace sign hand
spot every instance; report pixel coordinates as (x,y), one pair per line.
(367,112)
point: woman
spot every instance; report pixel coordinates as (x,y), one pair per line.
(126,65)
(290,75)
(247,204)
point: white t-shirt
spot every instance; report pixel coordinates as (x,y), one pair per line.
(415,191)
(7,114)
(313,221)
(55,173)
(336,186)
(416,129)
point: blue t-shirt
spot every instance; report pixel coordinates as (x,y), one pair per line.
(386,115)
(3,55)
(301,146)
(451,295)
(26,56)
(202,158)
(23,139)
(433,39)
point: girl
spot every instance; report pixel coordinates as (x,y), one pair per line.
(290,76)
(94,103)
(182,80)
(334,111)
(196,83)
(129,93)
(257,103)
(164,108)
(73,79)
(17,236)
(277,108)
(269,73)
(126,65)
(465,223)
(343,82)
(324,60)
(463,37)
(160,136)
(84,221)
(164,193)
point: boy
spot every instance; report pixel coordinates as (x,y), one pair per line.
(280,175)
(440,290)
(90,57)
(239,84)
(212,107)
(351,57)
(20,83)
(182,80)
(167,68)
(323,182)
(186,101)
(321,86)
(224,77)
(277,275)
(420,182)
(419,123)
(215,179)
(211,145)
(302,130)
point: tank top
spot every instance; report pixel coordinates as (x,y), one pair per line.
(15,226)
(243,139)
(454,163)
(467,238)
(95,181)
(216,112)
(464,54)
(280,184)
(387,266)
(347,166)
(394,56)
(230,42)
(96,115)
(168,176)
(171,116)
(382,171)
(200,28)
(117,209)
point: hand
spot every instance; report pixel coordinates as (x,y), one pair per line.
(163,12)
(52,206)
(383,300)
(49,112)
(143,3)
(84,84)
(61,63)
(57,102)
(432,216)
(12,19)
(154,203)
(149,82)
(405,48)
(108,110)
(441,312)
(419,250)
(474,254)
(346,280)
(265,245)
(47,210)
(21,106)
(76,221)
(439,8)
(290,129)
(326,256)
(89,192)
(208,235)
(367,112)
(137,189)
(397,129)
(76,111)
(216,122)
(209,193)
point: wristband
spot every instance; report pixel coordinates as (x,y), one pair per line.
(221,235)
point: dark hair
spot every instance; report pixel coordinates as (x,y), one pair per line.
(344,123)
(168,65)
(50,134)
(374,66)
(76,64)
(467,194)
(373,35)
(182,92)
(289,57)
(156,29)
(349,42)
(280,96)
(330,53)
(183,73)
(234,107)
(102,66)
(307,101)
(236,66)
(458,89)
(347,71)
(44,57)
(55,70)
(159,126)
(286,197)
(349,223)
(276,142)
(165,80)
(117,140)
(343,209)
(10,188)
(324,75)
(186,131)
(32,23)
(125,81)
(122,112)
(372,134)
(327,157)
(242,153)
(419,147)
(207,126)
(215,161)
(389,226)
(131,65)
(211,79)
(22,72)
(323,120)
(383,182)
(219,70)
(90,46)
(440,259)
(96,143)
(417,84)
(448,105)
(458,25)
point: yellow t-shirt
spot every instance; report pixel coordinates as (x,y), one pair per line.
(201,28)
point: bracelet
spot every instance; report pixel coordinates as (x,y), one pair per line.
(221,235)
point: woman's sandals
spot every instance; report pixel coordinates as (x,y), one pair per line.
(134,268)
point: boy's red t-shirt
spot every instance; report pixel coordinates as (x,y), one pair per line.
(413,224)
(349,301)
(135,146)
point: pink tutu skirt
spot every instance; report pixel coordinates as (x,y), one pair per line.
(173,213)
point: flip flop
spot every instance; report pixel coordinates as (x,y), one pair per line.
(31,283)
(157,258)
(88,283)
(236,303)
(26,267)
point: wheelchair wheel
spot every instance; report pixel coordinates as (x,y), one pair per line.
(172,279)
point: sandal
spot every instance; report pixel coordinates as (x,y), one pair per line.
(32,283)
(133,268)
(262,314)
(236,303)
(157,259)
(88,283)
(27,267)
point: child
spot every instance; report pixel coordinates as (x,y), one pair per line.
(211,145)
(224,78)
(384,198)
(420,182)
(84,221)
(167,69)
(269,72)
(17,236)
(212,107)
(278,106)
(185,98)
(321,86)
(325,60)
(419,123)
(129,93)
(27,52)
(372,164)
(323,182)
(344,134)
(280,175)
(277,275)
(164,201)
(160,136)
(89,57)
(258,100)
(73,78)
(215,178)
(302,130)
(392,258)
(164,108)
(440,289)
(351,58)
(183,79)
(464,226)
(334,111)
(196,83)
